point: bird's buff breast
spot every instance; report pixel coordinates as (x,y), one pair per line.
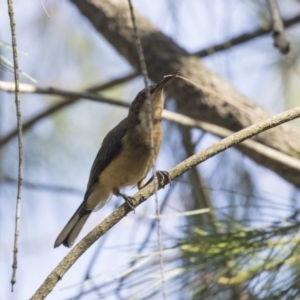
(129,167)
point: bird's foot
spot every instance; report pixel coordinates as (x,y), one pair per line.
(163,177)
(129,200)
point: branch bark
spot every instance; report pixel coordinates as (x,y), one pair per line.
(149,190)
(112,20)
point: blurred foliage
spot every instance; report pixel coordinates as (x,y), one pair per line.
(248,255)
(238,263)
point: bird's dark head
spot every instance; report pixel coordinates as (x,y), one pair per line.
(139,105)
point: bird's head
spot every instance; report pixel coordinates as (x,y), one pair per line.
(139,106)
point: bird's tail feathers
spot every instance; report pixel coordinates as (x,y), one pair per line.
(71,231)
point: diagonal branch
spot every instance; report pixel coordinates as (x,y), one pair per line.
(272,156)
(149,190)
(245,37)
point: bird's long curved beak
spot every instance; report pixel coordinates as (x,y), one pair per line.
(166,79)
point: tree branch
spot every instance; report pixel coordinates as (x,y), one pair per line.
(243,38)
(32,89)
(280,39)
(149,190)
(20,143)
(287,162)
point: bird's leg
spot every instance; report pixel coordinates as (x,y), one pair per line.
(163,176)
(129,200)
(140,184)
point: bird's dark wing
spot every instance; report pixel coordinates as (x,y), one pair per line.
(111,147)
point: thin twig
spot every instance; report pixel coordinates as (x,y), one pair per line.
(28,88)
(243,38)
(150,124)
(279,36)
(20,144)
(44,8)
(149,190)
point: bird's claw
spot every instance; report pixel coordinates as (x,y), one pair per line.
(163,177)
(129,200)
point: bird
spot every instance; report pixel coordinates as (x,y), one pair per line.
(124,159)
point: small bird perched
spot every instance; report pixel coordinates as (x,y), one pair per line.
(124,159)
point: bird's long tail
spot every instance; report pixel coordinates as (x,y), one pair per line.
(71,231)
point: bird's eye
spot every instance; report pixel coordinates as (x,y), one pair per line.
(143,95)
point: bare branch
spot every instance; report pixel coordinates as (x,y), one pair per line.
(29,88)
(73,97)
(20,144)
(149,190)
(243,38)
(269,154)
(280,39)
